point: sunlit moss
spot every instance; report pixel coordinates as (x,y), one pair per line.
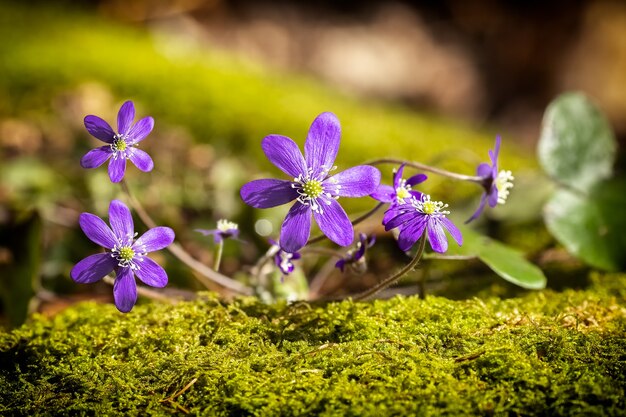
(543,354)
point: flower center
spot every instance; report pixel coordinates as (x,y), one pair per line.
(429,207)
(504,182)
(125,256)
(319,188)
(402,192)
(312,188)
(119,144)
(226,226)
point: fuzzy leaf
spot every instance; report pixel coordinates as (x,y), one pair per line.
(577,146)
(591,227)
(505,261)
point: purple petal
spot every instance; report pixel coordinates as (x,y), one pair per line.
(334,222)
(117,168)
(416,179)
(96,157)
(496,151)
(322,142)
(93,268)
(397,176)
(151,273)
(125,290)
(121,220)
(140,130)
(384,193)
(267,193)
(296,228)
(125,117)
(99,129)
(493,196)
(97,230)
(481,206)
(285,154)
(454,232)
(401,216)
(484,170)
(155,239)
(411,233)
(358,181)
(436,235)
(141,159)
(418,195)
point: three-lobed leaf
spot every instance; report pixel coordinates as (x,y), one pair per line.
(592,227)
(577,146)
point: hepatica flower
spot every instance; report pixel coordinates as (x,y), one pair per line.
(355,258)
(419,215)
(119,146)
(225,229)
(282,259)
(496,184)
(398,193)
(124,254)
(312,187)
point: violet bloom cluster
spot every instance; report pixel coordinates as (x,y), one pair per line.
(496,184)
(119,146)
(282,259)
(312,187)
(125,255)
(398,194)
(355,258)
(419,215)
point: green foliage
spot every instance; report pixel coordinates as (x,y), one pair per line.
(505,261)
(544,354)
(577,149)
(591,226)
(20,276)
(577,146)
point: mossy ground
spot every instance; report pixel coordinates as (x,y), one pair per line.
(546,353)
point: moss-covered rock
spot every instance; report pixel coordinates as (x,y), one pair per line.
(544,354)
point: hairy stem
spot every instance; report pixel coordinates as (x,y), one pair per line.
(206,275)
(393,278)
(428,168)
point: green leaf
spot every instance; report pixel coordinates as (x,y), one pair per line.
(19,278)
(505,261)
(577,146)
(592,227)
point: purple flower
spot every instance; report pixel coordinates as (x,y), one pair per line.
(496,184)
(355,258)
(399,193)
(313,189)
(125,255)
(417,215)
(120,146)
(282,259)
(225,229)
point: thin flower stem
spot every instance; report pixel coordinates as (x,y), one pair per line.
(154,295)
(393,278)
(206,275)
(354,223)
(428,168)
(218,256)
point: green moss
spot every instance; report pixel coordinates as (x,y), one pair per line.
(543,354)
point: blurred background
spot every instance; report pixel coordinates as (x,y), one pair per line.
(429,81)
